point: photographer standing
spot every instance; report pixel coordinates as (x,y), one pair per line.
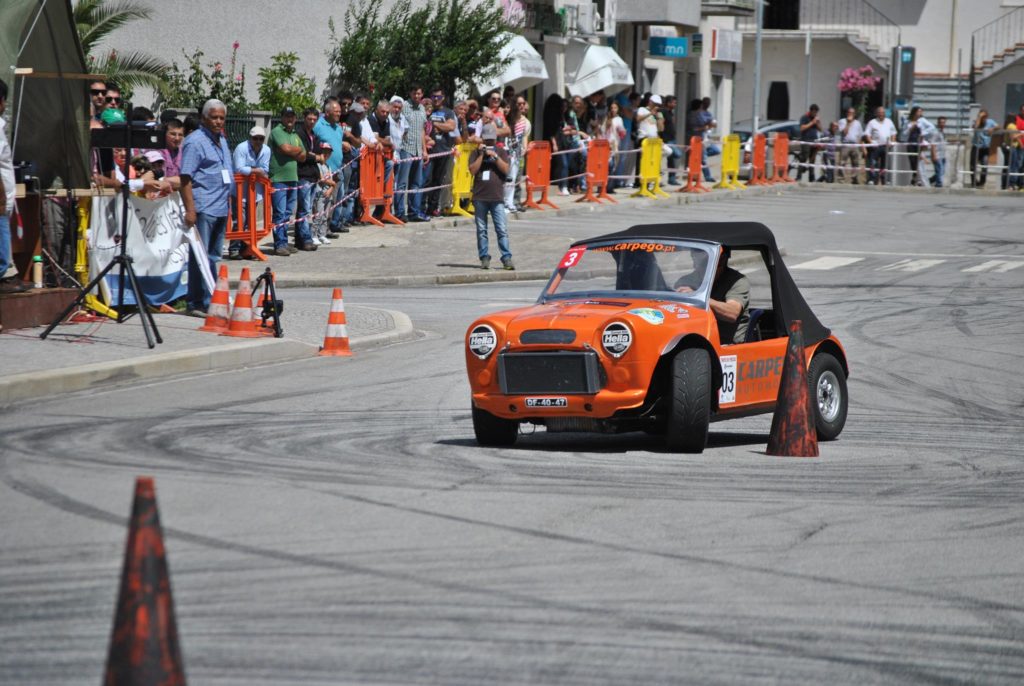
(810,131)
(489,166)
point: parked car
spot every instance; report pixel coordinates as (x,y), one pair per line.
(611,345)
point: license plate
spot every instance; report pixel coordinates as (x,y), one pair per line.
(547,402)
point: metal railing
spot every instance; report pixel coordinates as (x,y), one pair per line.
(1000,36)
(858,17)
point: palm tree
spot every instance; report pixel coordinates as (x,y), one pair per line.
(95,20)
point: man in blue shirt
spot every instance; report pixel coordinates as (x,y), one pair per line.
(207,179)
(330,130)
(251,158)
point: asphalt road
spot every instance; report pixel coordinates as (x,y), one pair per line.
(332,521)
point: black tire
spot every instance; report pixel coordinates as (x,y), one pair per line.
(493,431)
(690,413)
(826,383)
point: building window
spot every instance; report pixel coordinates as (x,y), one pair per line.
(782,14)
(778,101)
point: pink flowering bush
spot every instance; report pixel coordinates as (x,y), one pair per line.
(857,82)
(194,84)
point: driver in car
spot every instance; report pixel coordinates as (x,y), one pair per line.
(730,295)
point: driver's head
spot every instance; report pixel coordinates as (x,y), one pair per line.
(723,260)
(699,259)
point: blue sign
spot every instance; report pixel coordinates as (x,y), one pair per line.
(662,46)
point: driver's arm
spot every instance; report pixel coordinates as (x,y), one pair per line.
(735,301)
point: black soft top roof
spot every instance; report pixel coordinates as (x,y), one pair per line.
(787,301)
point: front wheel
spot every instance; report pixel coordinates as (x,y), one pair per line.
(688,419)
(493,431)
(827,385)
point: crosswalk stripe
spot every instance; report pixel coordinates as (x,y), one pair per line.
(997,266)
(827,262)
(909,265)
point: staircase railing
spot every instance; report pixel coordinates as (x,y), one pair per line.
(843,16)
(1000,35)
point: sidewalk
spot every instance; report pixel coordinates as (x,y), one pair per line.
(81,356)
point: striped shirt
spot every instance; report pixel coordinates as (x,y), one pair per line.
(205,159)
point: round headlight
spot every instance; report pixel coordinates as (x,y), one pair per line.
(482,341)
(616,339)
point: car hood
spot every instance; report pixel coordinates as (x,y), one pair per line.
(585,316)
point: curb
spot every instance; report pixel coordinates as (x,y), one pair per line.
(500,275)
(237,355)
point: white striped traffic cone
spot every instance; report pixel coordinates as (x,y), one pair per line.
(336,338)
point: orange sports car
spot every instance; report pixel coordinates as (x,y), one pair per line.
(651,329)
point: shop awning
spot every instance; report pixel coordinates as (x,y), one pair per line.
(526,68)
(590,68)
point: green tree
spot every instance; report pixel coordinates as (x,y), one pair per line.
(97,19)
(281,84)
(451,43)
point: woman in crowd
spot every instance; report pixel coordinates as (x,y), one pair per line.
(613,130)
(520,138)
(979,153)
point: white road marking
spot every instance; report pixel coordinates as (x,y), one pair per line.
(920,254)
(827,262)
(909,265)
(997,266)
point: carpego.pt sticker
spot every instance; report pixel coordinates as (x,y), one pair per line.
(649,315)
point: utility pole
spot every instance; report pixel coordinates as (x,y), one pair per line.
(758,21)
(807,51)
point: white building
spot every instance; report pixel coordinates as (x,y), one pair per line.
(854,33)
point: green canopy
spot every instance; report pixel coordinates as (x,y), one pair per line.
(48,110)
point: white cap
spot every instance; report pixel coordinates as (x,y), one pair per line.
(257,131)
(398,99)
(656,99)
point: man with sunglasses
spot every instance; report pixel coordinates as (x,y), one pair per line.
(97,103)
(112,100)
(443,124)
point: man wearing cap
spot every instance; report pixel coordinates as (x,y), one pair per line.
(648,121)
(489,166)
(286,150)
(251,158)
(207,179)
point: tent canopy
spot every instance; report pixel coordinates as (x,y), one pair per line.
(48,109)
(590,68)
(526,68)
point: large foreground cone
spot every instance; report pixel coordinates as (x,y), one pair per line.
(793,432)
(219,313)
(144,647)
(336,338)
(242,324)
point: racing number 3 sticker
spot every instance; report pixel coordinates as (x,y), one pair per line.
(572,258)
(727,394)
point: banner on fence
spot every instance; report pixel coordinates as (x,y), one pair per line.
(156,242)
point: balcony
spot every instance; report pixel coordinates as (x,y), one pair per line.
(685,13)
(732,8)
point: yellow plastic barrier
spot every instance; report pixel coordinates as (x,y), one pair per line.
(462,181)
(650,169)
(730,163)
(92,302)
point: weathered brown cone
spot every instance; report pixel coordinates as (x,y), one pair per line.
(793,432)
(144,648)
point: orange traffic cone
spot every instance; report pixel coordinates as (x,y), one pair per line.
(793,432)
(336,338)
(219,312)
(144,647)
(242,324)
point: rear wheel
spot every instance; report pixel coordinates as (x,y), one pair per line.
(493,431)
(690,414)
(827,385)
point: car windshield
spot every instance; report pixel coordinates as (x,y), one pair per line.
(641,268)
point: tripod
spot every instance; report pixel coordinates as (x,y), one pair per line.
(142,137)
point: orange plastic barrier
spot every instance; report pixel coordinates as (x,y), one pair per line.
(599,152)
(389,189)
(538,174)
(780,160)
(250,234)
(758,163)
(693,168)
(372,189)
